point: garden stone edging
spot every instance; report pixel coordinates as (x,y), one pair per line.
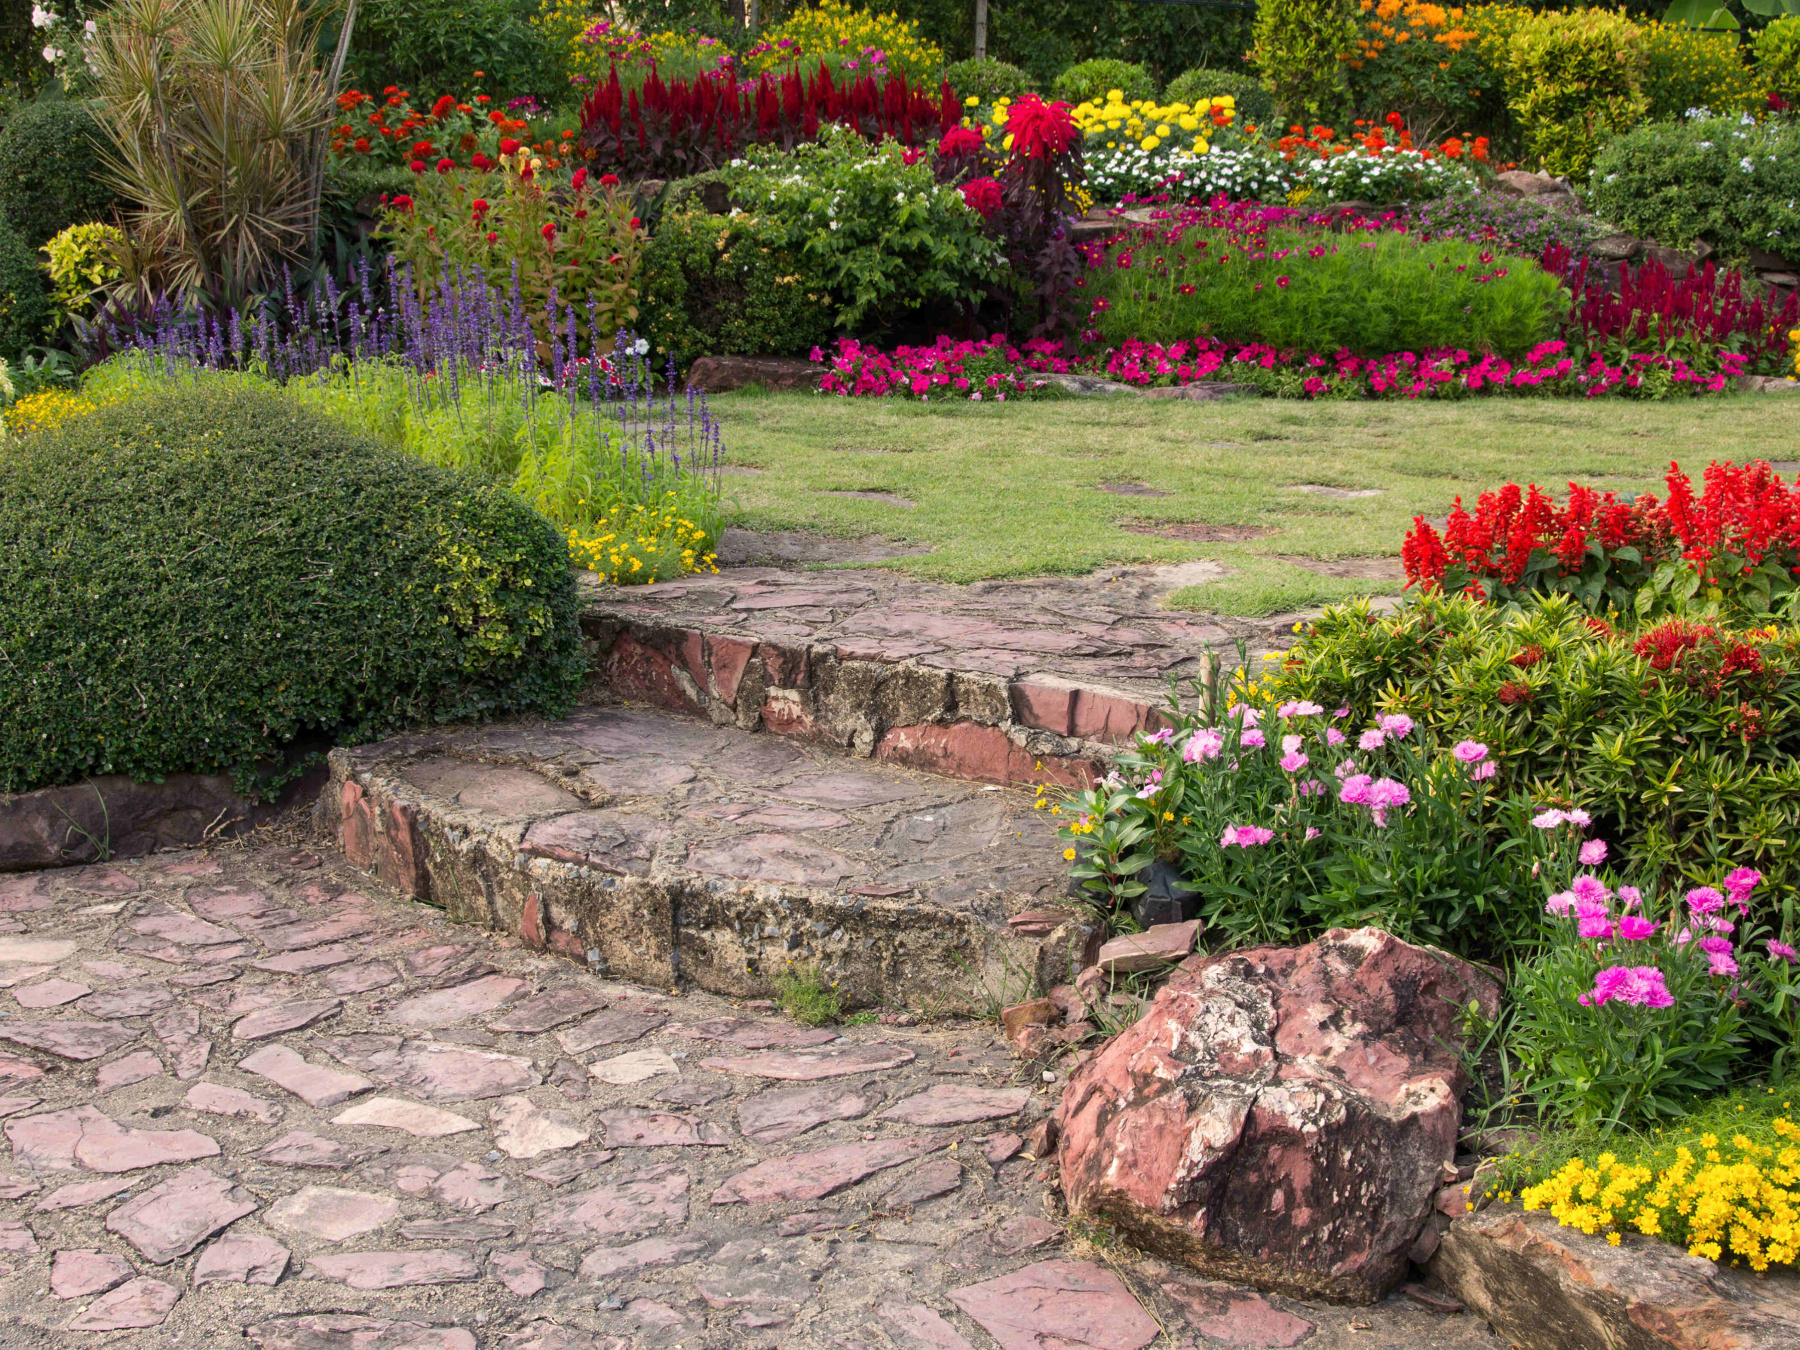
(1546,1287)
(1282,1117)
(67,826)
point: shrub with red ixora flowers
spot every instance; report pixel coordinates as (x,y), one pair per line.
(390,130)
(572,248)
(1734,548)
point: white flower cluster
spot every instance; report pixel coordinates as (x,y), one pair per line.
(1390,175)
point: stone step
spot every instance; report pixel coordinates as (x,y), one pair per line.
(1034,681)
(665,850)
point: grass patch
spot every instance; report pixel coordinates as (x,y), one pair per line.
(806,996)
(1015,490)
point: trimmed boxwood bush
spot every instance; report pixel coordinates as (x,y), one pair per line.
(1253,102)
(24,294)
(727,286)
(986,79)
(212,578)
(1095,79)
(51,172)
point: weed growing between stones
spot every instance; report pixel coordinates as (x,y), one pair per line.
(807,997)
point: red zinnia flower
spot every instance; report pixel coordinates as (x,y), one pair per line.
(422,149)
(362,145)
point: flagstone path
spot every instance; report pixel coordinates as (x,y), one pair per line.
(251,1100)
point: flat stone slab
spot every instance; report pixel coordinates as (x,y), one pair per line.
(176,1216)
(927,1182)
(628,1127)
(77,1274)
(241,1258)
(811,1065)
(958,1104)
(331,1213)
(812,1176)
(392,1113)
(71,1040)
(446,1007)
(284,1017)
(138,1303)
(524,1130)
(126,1070)
(1059,1305)
(393,1270)
(551,1008)
(314,1084)
(782,1113)
(213,1099)
(439,1073)
(628,1206)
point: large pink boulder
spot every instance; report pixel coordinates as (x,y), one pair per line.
(1279,1115)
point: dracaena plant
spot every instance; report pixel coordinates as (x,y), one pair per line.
(216,110)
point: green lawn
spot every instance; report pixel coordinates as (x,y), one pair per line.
(1015,490)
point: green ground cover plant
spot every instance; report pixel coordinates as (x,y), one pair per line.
(271,582)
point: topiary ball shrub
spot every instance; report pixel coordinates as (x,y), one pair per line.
(211,578)
(24,294)
(1095,79)
(986,79)
(51,172)
(1255,107)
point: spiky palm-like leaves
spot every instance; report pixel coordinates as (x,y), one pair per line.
(216,110)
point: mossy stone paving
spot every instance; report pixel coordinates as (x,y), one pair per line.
(426,1165)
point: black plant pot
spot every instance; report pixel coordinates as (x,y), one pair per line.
(1168,899)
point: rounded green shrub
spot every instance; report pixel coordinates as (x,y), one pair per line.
(24,294)
(206,577)
(727,286)
(1777,50)
(1254,105)
(434,47)
(1095,79)
(1731,184)
(986,79)
(51,172)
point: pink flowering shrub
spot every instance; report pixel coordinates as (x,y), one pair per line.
(1636,1005)
(1288,821)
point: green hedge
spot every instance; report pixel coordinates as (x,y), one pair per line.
(24,294)
(1095,79)
(986,79)
(200,578)
(719,286)
(51,172)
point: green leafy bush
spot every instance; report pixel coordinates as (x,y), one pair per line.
(25,307)
(51,172)
(729,285)
(1685,68)
(1253,104)
(1732,184)
(986,79)
(202,576)
(433,47)
(1298,43)
(882,237)
(1094,79)
(1777,50)
(1572,80)
(1688,769)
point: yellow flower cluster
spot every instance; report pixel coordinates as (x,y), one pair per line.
(636,545)
(1745,1206)
(1148,124)
(50,408)
(1794,337)
(837,34)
